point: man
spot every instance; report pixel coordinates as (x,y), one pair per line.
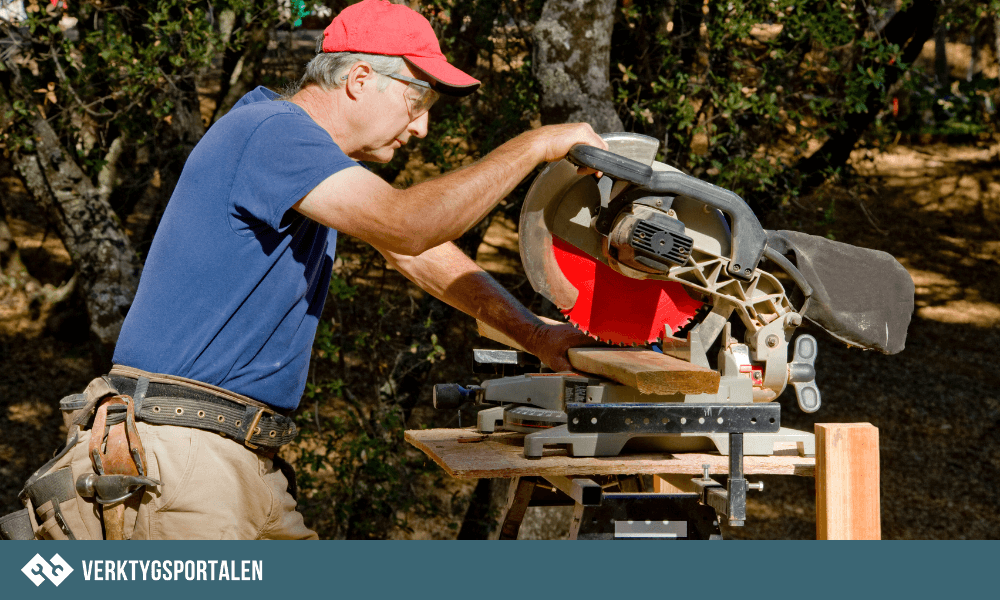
(219,336)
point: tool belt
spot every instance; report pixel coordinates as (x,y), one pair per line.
(110,407)
(169,400)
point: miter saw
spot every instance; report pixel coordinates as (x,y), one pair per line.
(646,256)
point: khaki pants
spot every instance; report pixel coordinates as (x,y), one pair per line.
(213,488)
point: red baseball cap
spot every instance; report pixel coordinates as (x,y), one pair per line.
(381,27)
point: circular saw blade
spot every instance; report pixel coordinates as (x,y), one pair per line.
(564,260)
(618,309)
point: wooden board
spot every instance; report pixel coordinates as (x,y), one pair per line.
(645,370)
(465,454)
(847,482)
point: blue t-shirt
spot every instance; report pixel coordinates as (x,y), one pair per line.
(235,280)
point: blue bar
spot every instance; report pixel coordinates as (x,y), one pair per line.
(503,570)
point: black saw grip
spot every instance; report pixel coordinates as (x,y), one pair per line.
(611,164)
(749,239)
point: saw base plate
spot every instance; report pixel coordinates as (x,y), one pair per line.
(615,444)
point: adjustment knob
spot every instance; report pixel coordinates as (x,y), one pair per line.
(802,373)
(452,395)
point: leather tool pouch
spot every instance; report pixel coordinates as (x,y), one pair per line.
(53,509)
(62,504)
(16,526)
(53,498)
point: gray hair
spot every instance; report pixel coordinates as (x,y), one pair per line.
(326,69)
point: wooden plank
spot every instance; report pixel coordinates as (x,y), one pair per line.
(500,455)
(847,482)
(580,489)
(645,370)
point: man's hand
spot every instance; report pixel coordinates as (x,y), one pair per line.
(550,343)
(554,141)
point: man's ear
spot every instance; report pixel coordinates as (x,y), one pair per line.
(360,78)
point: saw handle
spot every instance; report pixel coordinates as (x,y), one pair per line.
(749,238)
(611,164)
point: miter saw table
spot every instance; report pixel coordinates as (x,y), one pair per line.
(846,469)
(700,305)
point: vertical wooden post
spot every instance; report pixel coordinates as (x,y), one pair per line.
(847,482)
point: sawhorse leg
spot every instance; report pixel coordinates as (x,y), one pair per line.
(518,498)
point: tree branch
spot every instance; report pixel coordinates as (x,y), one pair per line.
(909,29)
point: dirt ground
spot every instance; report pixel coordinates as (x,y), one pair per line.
(934,207)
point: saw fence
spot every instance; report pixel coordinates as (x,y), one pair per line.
(846,469)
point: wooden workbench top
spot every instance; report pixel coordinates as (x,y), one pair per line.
(466,454)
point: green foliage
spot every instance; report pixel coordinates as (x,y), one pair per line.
(739,90)
(375,347)
(962,109)
(494,33)
(354,479)
(98,71)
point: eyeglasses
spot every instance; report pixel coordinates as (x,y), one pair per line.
(420,97)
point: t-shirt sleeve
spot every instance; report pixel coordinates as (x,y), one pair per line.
(285,157)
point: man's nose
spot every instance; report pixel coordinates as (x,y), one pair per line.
(418,126)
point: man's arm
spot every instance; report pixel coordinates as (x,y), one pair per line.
(424,216)
(451,276)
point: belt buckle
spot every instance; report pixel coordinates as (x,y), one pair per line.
(251,428)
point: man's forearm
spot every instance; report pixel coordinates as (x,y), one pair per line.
(446,206)
(424,216)
(452,277)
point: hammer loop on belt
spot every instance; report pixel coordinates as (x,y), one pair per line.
(119,461)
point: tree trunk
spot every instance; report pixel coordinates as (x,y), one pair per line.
(107,267)
(7,248)
(941,55)
(572,63)
(240,71)
(909,29)
(687,19)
